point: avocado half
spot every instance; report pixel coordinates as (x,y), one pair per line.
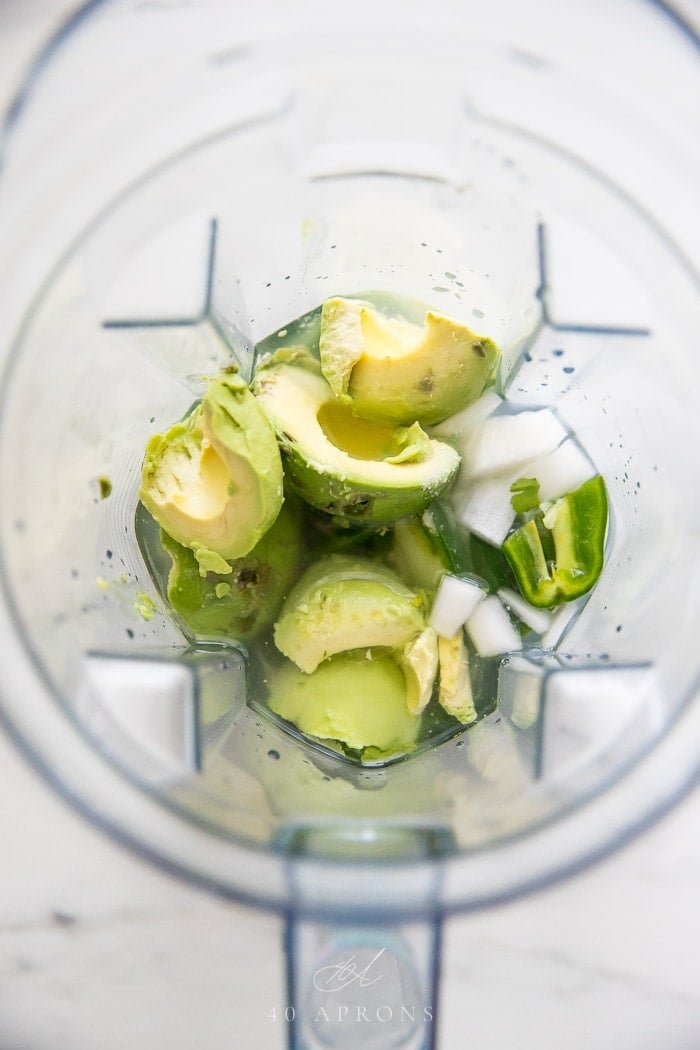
(343,603)
(241,603)
(357,701)
(391,370)
(361,472)
(213,481)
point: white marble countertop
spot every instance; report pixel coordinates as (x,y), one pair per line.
(99,951)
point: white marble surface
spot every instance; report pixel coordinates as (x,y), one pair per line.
(100,952)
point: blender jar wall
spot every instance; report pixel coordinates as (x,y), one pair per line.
(288,172)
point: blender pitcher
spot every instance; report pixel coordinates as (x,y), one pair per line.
(181,181)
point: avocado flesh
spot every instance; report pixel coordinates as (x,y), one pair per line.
(357,471)
(343,603)
(455,691)
(419,662)
(242,603)
(356,699)
(393,371)
(213,481)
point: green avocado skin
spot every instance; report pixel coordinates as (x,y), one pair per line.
(251,595)
(354,503)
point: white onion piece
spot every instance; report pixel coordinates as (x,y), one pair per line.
(455,602)
(502,443)
(562,470)
(491,630)
(484,508)
(539,620)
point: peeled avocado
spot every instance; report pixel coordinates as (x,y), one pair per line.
(213,482)
(356,699)
(246,600)
(419,663)
(393,371)
(343,603)
(356,470)
(455,691)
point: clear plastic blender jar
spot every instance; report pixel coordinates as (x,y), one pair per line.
(180,181)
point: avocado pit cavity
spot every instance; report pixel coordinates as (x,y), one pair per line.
(363,473)
(360,438)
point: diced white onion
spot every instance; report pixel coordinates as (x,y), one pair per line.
(502,443)
(563,470)
(455,602)
(485,508)
(491,630)
(539,620)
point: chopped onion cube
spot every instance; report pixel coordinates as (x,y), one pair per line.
(455,601)
(539,620)
(502,443)
(491,630)
(486,510)
(562,471)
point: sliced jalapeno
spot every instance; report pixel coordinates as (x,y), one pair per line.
(557,555)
